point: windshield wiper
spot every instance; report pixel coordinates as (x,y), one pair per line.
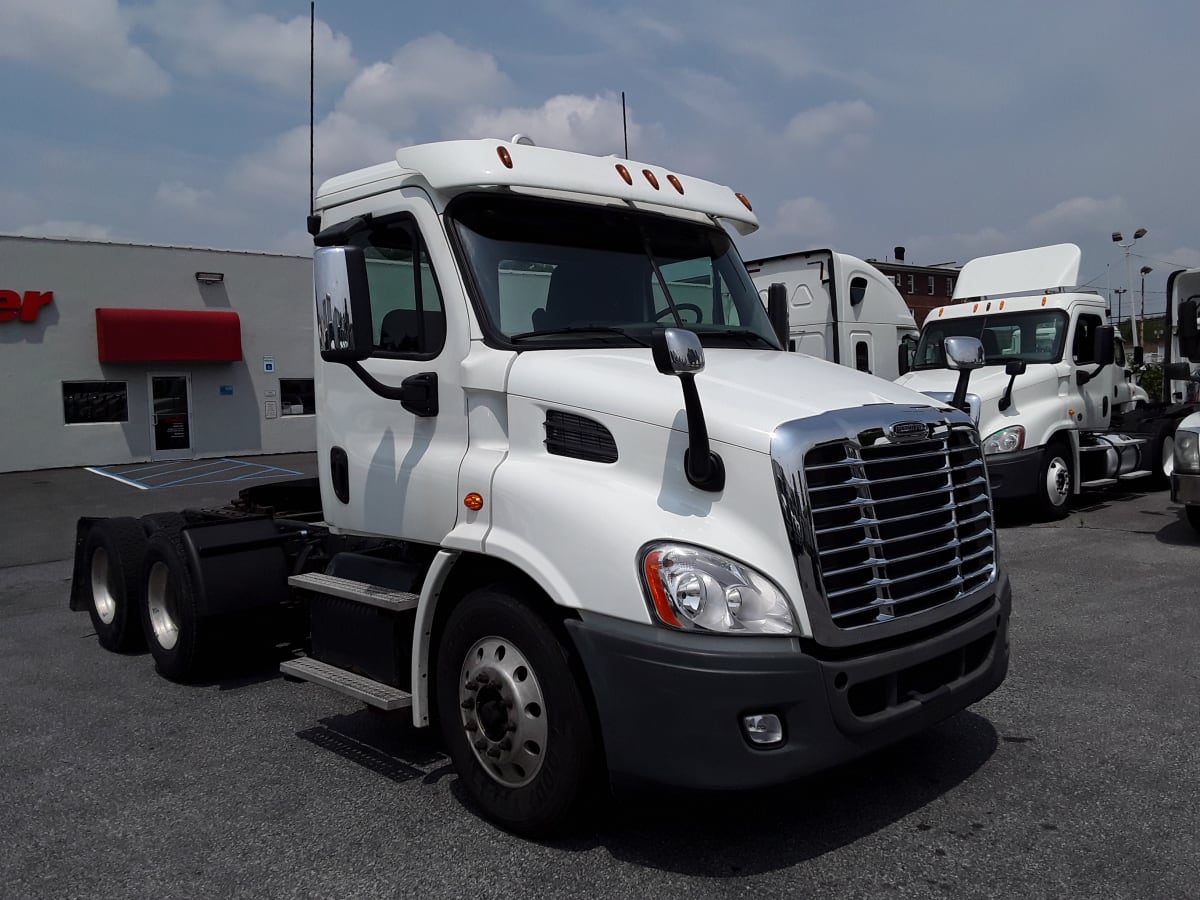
(579,329)
(748,336)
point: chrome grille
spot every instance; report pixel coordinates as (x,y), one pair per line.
(899,526)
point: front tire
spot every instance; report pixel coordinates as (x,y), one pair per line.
(512,712)
(1162,453)
(1056,480)
(113,552)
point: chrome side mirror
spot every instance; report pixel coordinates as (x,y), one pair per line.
(677,351)
(964,353)
(343,304)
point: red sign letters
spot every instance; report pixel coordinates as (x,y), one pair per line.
(26,309)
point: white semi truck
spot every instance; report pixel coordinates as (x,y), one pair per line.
(840,308)
(569,514)
(1054,401)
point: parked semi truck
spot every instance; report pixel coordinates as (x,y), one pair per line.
(1055,400)
(840,308)
(1181,383)
(577,508)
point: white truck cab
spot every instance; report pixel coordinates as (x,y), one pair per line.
(1048,390)
(1181,387)
(579,509)
(841,309)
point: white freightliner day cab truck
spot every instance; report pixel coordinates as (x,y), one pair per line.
(841,309)
(1054,400)
(575,540)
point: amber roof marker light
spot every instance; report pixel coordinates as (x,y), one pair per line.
(505,157)
(624,173)
(650,177)
(745,201)
(675,183)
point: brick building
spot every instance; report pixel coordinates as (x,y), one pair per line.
(923,287)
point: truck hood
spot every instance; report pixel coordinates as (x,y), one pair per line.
(987,384)
(745,394)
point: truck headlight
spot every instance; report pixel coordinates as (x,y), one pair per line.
(1187,451)
(698,590)
(1006,440)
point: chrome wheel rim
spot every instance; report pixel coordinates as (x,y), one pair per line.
(162,606)
(503,711)
(102,592)
(1168,456)
(1058,482)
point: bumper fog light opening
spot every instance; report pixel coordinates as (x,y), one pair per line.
(763,729)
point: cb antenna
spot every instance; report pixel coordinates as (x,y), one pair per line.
(314,221)
(624,124)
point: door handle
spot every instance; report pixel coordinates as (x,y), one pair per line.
(420,394)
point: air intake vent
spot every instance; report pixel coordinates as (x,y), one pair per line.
(579,437)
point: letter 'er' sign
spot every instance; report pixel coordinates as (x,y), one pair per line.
(25,308)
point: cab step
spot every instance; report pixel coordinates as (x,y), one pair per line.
(1098,483)
(373,693)
(359,591)
(1140,473)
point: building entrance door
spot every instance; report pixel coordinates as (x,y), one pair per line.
(170,417)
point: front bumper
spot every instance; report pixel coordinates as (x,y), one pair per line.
(1014,475)
(670,704)
(1185,488)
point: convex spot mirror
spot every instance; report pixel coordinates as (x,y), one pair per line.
(963,352)
(343,304)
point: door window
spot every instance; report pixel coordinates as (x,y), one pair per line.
(408,318)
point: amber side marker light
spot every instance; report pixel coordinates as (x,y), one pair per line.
(658,593)
(745,202)
(473,502)
(675,183)
(505,158)
(624,173)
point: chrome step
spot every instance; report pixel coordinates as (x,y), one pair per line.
(1140,473)
(1098,482)
(359,591)
(373,693)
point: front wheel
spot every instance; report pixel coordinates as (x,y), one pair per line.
(512,712)
(1056,476)
(1162,453)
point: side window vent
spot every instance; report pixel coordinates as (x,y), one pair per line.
(579,437)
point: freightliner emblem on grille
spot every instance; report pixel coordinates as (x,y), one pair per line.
(908,431)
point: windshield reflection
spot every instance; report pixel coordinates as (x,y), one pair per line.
(1035,336)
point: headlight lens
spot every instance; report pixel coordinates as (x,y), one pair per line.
(1187,451)
(1006,440)
(698,590)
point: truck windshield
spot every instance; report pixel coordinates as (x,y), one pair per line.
(1036,336)
(553,273)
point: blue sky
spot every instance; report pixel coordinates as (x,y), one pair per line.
(952,129)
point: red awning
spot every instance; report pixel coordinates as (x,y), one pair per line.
(168,335)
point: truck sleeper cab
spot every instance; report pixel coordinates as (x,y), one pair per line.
(569,517)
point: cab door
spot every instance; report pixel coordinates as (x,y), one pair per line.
(391,466)
(1092,401)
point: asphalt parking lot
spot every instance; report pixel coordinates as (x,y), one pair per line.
(1079,777)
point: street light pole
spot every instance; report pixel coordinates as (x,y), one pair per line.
(1127,247)
(1119,292)
(1146,270)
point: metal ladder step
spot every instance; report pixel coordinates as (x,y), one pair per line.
(1098,482)
(373,693)
(1140,473)
(359,591)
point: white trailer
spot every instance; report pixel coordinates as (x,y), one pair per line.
(580,543)
(841,309)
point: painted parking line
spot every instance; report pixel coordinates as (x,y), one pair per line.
(216,471)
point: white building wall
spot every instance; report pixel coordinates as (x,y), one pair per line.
(272,295)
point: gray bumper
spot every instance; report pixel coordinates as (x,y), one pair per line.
(1185,488)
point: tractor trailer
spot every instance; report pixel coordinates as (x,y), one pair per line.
(577,508)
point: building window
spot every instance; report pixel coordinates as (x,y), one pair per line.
(95,401)
(911,284)
(297,397)
(930,285)
(896,279)
(949,287)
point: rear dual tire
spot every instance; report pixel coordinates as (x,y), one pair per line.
(113,552)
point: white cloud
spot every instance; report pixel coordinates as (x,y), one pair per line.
(63,229)
(846,122)
(210,39)
(182,198)
(565,122)
(1080,212)
(432,73)
(86,40)
(806,218)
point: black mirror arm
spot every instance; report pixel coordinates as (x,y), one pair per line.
(418,393)
(959,400)
(1006,399)
(704,469)
(1082,377)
